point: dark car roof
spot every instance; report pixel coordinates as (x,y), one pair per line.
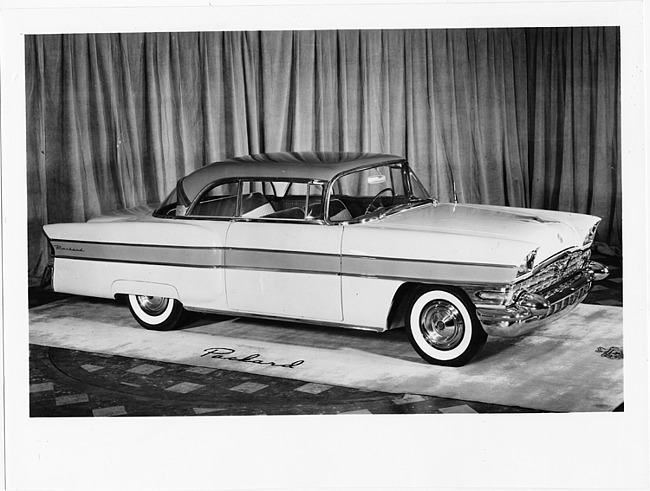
(321,166)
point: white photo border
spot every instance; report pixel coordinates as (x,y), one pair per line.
(389,451)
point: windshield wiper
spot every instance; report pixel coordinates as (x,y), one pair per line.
(409,204)
(418,201)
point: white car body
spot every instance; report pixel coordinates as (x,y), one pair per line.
(360,272)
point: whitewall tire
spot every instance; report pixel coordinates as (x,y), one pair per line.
(443,328)
(156,313)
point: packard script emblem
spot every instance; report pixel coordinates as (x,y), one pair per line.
(255,358)
(71,249)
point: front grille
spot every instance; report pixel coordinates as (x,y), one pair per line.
(561,269)
(568,300)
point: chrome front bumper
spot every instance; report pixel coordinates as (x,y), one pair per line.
(532,310)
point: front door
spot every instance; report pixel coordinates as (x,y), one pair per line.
(284,268)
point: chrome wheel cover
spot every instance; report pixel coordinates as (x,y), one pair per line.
(442,325)
(152,305)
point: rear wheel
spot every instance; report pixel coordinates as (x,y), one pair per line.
(156,313)
(443,327)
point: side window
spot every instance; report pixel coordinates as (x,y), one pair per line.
(217,201)
(281,200)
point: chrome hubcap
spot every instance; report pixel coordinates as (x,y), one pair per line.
(152,305)
(442,325)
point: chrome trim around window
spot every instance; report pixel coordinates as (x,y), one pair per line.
(237,216)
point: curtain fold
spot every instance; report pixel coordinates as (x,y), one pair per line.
(520,117)
(574,124)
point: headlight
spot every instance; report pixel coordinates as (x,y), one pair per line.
(527,265)
(591,235)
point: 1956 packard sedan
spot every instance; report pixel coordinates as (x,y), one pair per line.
(340,239)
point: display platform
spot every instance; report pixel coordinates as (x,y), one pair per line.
(573,365)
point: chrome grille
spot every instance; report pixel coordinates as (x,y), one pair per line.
(569,300)
(555,272)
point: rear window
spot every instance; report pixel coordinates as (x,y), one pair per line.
(168,207)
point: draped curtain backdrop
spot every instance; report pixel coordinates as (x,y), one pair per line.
(519,117)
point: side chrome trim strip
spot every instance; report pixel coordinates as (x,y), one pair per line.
(430,261)
(279,251)
(284,261)
(426,270)
(280,270)
(427,280)
(130,244)
(141,262)
(140,253)
(280,260)
(474,285)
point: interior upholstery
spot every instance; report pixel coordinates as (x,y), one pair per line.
(255,205)
(217,207)
(339,212)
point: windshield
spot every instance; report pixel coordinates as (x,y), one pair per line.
(374,192)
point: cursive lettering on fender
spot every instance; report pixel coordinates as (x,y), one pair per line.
(224,354)
(71,249)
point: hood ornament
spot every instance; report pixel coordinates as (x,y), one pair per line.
(559,237)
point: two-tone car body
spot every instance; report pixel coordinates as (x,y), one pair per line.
(340,239)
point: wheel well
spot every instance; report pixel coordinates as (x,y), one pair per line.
(397,312)
(127,287)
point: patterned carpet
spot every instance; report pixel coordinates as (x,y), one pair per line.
(74,383)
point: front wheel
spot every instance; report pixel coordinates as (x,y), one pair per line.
(156,313)
(443,327)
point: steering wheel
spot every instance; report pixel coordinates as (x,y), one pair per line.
(372,203)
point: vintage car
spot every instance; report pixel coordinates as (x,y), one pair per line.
(337,239)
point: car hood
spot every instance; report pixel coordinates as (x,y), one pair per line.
(550,231)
